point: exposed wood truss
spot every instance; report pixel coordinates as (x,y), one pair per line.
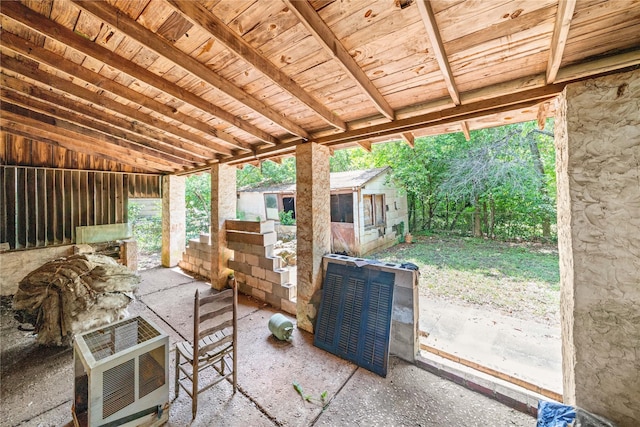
(174,86)
(329,42)
(409,139)
(429,20)
(559,39)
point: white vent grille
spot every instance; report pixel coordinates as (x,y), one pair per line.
(151,372)
(118,390)
(121,373)
(110,340)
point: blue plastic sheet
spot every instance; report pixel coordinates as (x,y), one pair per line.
(552,414)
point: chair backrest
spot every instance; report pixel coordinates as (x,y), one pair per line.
(214,320)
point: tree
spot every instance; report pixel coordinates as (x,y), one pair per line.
(268,172)
(504,168)
(197,204)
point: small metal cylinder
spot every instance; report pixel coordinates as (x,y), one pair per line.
(281,327)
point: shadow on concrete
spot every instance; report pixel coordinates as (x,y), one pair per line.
(37,383)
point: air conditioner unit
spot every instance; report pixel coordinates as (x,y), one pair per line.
(121,375)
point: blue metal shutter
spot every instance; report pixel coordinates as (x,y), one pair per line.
(354,319)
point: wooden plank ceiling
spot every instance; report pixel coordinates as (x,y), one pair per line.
(171,86)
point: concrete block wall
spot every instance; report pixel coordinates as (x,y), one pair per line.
(257,271)
(197,256)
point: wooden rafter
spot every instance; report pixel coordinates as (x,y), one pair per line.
(465,130)
(92,97)
(323,34)
(559,38)
(49,58)
(408,138)
(21,92)
(366,145)
(603,65)
(202,17)
(140,144)
(430,25)
(74,138)
(48,28)
(162,47)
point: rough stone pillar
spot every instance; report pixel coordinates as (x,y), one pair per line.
(173,220)
(313,221)
(223,207)
(598,178)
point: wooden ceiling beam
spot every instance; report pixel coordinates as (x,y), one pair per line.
(109,143)
(506,103)
(559,38)
(598,66)
(188,151)
(58,62)
(48,28)
(86,95)
(366,145)
(408,138)
(430,25)
(68,143)
(48,130)
(461,112)
(323,34)
(465,130)
(68,38)
(162,47)
(161,151)
(202,17)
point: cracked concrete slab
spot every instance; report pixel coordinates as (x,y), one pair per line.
(36,386)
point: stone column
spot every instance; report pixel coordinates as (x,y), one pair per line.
(223,207)
(597,139)
(173,220)
(313,221)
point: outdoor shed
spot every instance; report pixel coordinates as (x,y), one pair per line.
(368,212)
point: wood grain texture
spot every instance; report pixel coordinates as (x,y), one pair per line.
(205,81)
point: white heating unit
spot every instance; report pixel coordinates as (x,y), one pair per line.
(122,375)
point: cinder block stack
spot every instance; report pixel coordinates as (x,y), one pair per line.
(258,272)
(197,257)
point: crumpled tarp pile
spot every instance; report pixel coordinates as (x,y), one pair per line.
(74,294)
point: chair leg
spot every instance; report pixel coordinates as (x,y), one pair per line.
(177,372)
(194,382)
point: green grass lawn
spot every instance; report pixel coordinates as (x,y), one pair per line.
(520,279)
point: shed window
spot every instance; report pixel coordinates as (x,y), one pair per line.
(271,206)
(342,208)
(374,210)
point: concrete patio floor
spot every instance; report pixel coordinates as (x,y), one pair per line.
(37,383)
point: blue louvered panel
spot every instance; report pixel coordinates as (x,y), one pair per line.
(376,325)
(354,319)
(326,325)
(354,294)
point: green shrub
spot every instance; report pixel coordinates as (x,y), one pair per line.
(286,218)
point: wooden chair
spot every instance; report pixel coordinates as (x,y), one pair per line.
(215,332)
